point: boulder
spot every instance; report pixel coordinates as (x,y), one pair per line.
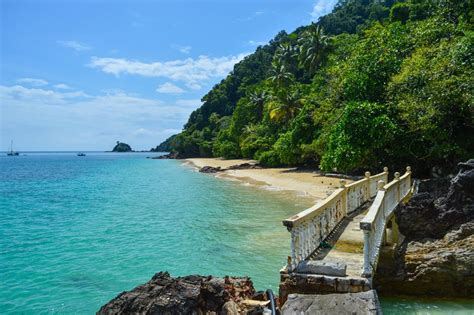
(436,256)
(164,294)
(329,268)
(342,303)
(210,169)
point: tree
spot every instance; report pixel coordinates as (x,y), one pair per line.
(313,47)
(280,77)
(284,108)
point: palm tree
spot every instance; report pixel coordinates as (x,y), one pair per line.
(258,99)
(313,46)
(285,108)
(285,54)
(280,77)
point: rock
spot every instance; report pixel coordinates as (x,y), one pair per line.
(436,256)
(260,296)
(230,308)
(439,205)
(347,303)
(121,147)
(172,155)
(210,169)
(328,268)
(244,166)
(164,294)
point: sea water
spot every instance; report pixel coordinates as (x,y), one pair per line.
(77,231)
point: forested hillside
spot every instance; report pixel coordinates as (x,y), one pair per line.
(373,83)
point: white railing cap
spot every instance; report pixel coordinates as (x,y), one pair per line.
(310,213)
(367,222)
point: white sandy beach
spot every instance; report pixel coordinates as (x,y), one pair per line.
(308,182)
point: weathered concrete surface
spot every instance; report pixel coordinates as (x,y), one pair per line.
(348,248)
(319,284)
(349,303)
(328,268)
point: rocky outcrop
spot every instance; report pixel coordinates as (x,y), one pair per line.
(210,169)
(164,294)
(122,147)
(169,156)
(242,166)
(349,303)
(437,254)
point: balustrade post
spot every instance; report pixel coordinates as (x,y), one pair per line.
(366,270)
(385,170)
(367,185)
(380,185)
(292,260)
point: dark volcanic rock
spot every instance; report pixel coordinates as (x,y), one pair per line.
(171,155)
(210,169)
(164,294)
(437,254)
(439,205)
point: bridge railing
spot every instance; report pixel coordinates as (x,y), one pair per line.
(380,212)
(311,226)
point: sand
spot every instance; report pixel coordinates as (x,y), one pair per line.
(306,182)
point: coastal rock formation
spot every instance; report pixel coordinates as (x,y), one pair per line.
(164,294)
(210,169)
(437,254)
(349,303)
(121,147)
(243,166)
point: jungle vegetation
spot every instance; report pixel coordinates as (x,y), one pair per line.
(373,83)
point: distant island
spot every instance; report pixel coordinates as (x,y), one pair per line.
(122,147)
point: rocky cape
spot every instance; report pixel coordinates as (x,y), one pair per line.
(122,147)
(164,294)
(436,256)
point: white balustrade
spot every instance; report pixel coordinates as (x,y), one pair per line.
(311,226)
(380,212)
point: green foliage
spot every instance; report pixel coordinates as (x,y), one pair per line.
(269,159)
(400,12)
(373,90)
(360,136)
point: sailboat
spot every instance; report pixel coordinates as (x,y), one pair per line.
(11,152)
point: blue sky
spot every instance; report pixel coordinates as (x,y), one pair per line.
(80,75)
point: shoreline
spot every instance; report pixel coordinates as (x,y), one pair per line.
(304,183)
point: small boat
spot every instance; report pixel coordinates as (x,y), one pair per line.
(11,152)
(81,154)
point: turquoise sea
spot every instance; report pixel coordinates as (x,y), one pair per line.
(77,231)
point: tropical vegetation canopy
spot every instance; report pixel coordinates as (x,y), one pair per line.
(374,83)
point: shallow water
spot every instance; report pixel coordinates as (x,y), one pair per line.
(76,231)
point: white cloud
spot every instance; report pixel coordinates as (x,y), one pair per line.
(193,86)
(322,7)
(77,46)
(185,49)
(189,70)
(169,88)
(44,119)
(33,82)
(256,43)
(62,86)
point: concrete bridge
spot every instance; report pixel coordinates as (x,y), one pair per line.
(336,244)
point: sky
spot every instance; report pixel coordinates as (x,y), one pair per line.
(81,75)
